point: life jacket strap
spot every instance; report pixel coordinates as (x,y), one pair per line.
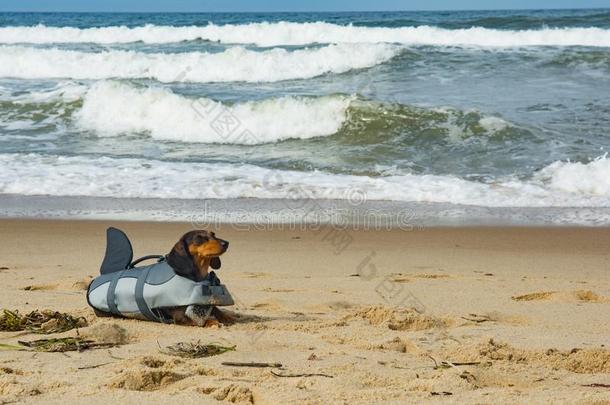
(141,302)
(110,295)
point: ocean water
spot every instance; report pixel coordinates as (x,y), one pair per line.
(477,109)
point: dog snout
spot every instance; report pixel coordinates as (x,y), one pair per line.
(224,244)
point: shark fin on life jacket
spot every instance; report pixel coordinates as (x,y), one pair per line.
(119,252)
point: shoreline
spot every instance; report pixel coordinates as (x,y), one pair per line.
(358,215)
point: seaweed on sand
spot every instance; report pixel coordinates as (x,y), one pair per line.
(66,344)
(196,350)
(45,321)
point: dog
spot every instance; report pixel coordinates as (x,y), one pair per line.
(191,257)
(122,289)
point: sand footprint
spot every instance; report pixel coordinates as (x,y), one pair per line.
(400,319)
(146,380)
(230,393)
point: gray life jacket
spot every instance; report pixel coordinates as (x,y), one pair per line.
(140,292)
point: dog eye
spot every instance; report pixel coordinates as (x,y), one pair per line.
(199,240)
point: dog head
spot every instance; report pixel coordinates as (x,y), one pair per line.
(195,252)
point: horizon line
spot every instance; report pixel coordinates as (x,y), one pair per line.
(303,11)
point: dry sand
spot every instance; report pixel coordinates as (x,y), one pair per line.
(528,306)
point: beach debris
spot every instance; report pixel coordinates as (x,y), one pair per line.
(301,375)
(466,375)
(441,393)
(66,344)
(477,318)
(196,350)
(451,364)
(251,364)
(6,346)
(597,385)
(534,296)
(10,321)
(44,322)
(94,366)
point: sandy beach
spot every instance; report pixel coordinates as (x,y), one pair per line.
(446,172)
(459,315)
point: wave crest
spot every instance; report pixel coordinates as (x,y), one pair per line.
(114,108)
(234,64)
(289,33)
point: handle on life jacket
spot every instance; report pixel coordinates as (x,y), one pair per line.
(159,258)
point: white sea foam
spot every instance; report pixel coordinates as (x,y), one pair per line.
(65,91)
(112,108)
(234,64)
(592,178)
(560,184)
(289,33)
(493,124)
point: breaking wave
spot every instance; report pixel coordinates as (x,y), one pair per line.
(234,64)
(113,108)
(290,33)
(561,184)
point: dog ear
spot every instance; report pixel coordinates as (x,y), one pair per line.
(181,260)
(215,263)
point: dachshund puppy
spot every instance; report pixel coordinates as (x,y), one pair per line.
(191,257)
